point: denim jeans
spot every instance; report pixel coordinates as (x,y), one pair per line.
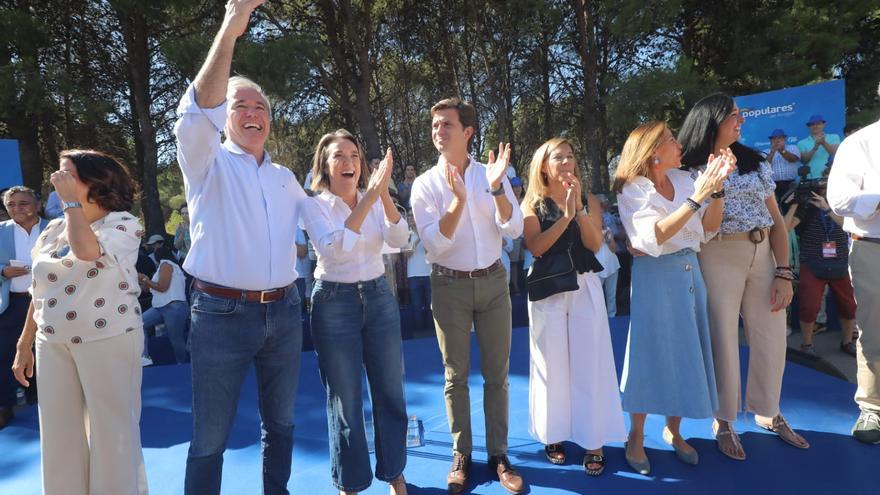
(357,326)
(609,287)
(420,301)
(228,335)
(175,316)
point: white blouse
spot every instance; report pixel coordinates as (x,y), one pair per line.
(343,255)
(78,301)
(176,290)
(641,207)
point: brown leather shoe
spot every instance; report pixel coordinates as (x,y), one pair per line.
(458,473)
(510,478)
(6,415)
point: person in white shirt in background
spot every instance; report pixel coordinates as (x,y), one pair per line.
(355,319)
(170,307)
(418,272)
(854,193)
(245,306)
(609,261)
(462,209)
(17,239)
(784,160)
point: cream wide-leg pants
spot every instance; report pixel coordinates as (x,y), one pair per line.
(90,407)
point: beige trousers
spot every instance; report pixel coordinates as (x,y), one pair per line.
(483,303)
(90,407)
(739,276)
(864,265)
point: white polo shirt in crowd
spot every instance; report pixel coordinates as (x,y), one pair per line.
(344,255)
(476,243)
(854,182)
(24,244)
(243,215)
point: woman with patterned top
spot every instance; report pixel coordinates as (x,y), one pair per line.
(572,380)
(746,268)
(355,318)
(86,322)
(668,365)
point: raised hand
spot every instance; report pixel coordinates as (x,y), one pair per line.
(65,185)
(238,14)
(497,169)
(381,177)
(570,203)
(570,181)
(455,182)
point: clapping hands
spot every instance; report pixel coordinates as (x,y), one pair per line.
(717,170)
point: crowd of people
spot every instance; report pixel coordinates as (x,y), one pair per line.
(706,243)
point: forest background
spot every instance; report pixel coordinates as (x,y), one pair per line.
(108,74)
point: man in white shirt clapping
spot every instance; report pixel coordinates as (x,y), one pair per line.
(462,208)
(245,306)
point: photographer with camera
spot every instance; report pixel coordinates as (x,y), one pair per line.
(824,257)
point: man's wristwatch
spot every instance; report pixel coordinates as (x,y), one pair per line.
(70,204)
(497,191)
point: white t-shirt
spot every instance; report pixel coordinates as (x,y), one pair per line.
(176,289)
(417,264)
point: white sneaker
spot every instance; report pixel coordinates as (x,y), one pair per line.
(146,361)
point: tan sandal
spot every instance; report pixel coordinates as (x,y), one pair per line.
(728,442)
(781,427)
(398,485)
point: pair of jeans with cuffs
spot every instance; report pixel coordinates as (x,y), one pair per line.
(227,337)
(356,326)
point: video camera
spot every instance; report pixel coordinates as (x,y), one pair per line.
(801,192)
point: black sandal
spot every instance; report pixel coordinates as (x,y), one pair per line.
(555,453)
(594,459)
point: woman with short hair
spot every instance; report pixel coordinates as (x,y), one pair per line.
(86,321)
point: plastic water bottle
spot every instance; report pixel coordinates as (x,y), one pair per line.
(20,398)
(415,433)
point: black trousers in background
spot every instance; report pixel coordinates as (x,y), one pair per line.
(11,324)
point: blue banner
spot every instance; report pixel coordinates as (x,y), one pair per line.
(789,109)
(10,163)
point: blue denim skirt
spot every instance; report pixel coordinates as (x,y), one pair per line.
(668,367)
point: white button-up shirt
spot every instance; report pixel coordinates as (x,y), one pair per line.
(344,255)
(24,244)
(641,207)
(854,183)
(243,214)
(476,243)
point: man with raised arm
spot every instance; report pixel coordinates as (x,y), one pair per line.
(462,208)
(245,306)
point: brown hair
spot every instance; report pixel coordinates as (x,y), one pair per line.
(320,175)
(467,114)
(539,187)
(635,159)
(110,185)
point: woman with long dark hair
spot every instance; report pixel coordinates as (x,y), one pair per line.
(746,269)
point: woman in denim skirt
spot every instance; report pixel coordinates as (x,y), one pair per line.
(668,368)
(355,319)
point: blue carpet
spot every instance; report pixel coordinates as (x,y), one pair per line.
(819,406)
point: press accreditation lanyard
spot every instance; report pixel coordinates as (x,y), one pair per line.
(829,247)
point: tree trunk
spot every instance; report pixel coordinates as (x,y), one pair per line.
(593,117)
(135,33)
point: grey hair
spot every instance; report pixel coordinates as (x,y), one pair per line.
(237,82)
(7,194)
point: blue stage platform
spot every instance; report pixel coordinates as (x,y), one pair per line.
(819,406)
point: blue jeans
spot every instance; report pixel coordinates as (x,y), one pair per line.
(356,326)
(228,335)
(420,300)
(175,316)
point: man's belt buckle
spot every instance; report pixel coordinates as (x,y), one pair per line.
(475,274)
(264,295)
(756,235)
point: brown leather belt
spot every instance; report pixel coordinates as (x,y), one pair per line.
(857,237)
(480,273)
(260,296)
